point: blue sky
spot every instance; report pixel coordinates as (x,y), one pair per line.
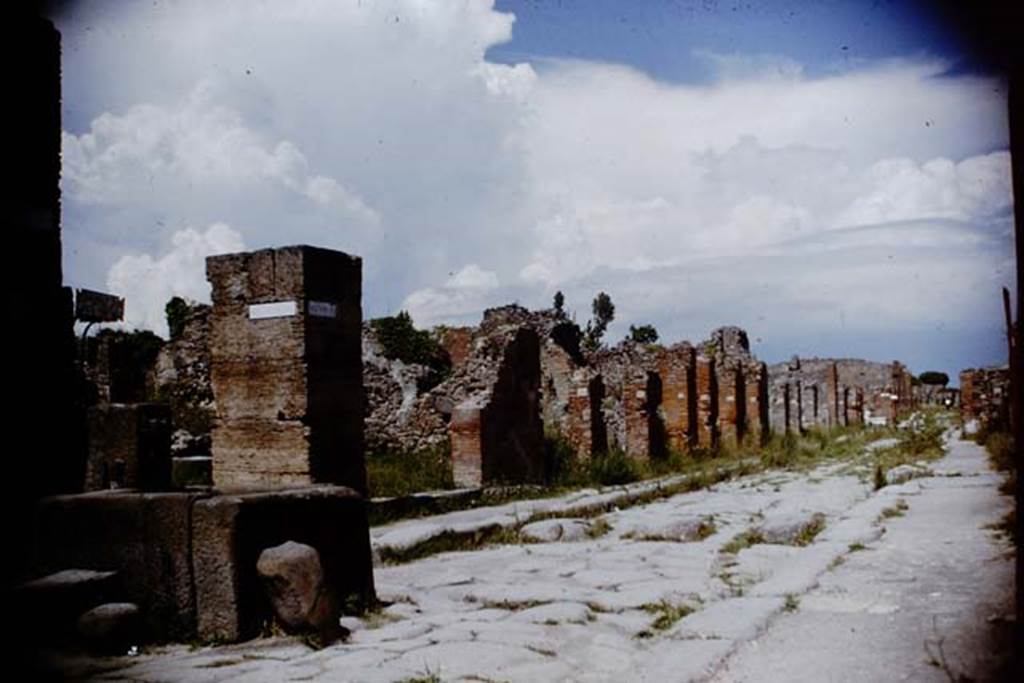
(660,37)
(832,176)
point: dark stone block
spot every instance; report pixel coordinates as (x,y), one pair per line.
(230,532)
(143,536)
(129,447)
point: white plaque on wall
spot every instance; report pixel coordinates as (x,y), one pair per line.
(276,309)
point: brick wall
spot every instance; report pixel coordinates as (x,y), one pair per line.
(286,368)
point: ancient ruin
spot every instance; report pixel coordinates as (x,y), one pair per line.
(286,368)
(275,367)
(822,393)
(985,398)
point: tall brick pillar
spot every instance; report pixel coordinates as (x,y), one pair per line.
(730,404)
(855,407)
(798,396)
(497,434)
(585,420)
(645,432)
(707,402)
(678,396)
(286,368)
(755,386)
(832,389)
(787,413)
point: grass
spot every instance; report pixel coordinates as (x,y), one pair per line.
(856,547)
(999,445)
(427,676)
(1006,527)
(666,615)
(401,473)
(792,603)
(742,540)
(920,438)
(809,531)
(513,605)
(896,510)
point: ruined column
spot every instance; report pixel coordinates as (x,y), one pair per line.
(707,402)
(798,395)
(755,387)
(645,433)
(457,343)
(903,388)
(787,417)
(678,404)
(855,407)
(497,435)
(286,368)
(730,404)
(833,395)
(585,420)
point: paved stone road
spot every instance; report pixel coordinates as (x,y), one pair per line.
(604,601)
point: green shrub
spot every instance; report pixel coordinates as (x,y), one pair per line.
(1000,450)
(561,467)
(613,468)
(176,311)
(922,436)
(400,340)
(401,473)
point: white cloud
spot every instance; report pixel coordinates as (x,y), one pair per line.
(381,129)
(147,283)
(463,297)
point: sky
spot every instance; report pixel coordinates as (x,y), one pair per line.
(833,177)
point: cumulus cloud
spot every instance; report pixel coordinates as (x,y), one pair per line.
(148,282)
(382,129)
(461,299)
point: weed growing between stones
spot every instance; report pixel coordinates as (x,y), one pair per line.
(427,676)
(856,547)
(792,603)
(809,531)
(513,605)
(667,614)
(815,446)
(742,540)
(896,510)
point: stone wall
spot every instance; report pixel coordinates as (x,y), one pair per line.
(286,368)
(830,392)
(678,367)
(985,397)
(129,447)
(394,417)
(496,433)
(181,377)
(189,559)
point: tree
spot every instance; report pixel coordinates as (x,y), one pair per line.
(645,334)
(399,339)
(176,311)
(604,312)
(934,378)
(559,302)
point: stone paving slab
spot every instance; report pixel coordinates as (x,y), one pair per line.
(612,607)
